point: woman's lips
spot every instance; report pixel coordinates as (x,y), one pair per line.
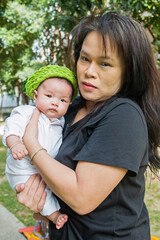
(88,86)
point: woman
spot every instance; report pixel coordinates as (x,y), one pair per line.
(98,174)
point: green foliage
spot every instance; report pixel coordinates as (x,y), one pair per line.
(36,30)
(59,19)
(21,27)
(34,33)
(146,12)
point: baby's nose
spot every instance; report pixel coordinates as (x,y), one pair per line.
(55,102)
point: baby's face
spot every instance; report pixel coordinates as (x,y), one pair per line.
(53,97)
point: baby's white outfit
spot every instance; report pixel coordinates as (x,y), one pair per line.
(50,138)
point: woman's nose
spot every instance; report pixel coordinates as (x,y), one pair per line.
(91,71)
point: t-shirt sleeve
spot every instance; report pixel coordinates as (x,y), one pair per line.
(120,139)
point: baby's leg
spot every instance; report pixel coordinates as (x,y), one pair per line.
(51,210)
(14,180)
(58,218)
(18,171)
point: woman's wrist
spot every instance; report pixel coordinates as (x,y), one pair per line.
(32,148)
(36,152)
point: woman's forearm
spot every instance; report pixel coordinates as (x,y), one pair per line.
(83,189)
(60,179)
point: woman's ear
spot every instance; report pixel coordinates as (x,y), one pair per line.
(35,96)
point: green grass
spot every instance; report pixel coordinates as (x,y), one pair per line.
(8,198)
(152,200)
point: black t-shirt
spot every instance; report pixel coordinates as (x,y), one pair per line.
(115,136)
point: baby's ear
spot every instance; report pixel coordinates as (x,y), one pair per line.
(70,103)
(35,95)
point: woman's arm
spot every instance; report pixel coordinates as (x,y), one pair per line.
(83,189)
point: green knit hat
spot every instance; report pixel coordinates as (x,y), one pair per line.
(48,72)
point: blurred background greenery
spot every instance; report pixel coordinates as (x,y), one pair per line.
(34,33)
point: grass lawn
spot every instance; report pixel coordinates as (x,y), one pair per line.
(8,198)
(152,200)
(7,195)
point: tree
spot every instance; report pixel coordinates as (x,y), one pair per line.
(146,12)
(21,26)
(34,33)
(59,19)
(61,16)
(36,30)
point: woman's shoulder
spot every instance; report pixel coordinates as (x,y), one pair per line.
(117,102)
(118,107)
(127,110)
(122,103)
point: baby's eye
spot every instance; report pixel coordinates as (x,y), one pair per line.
(63,100)
(49,96)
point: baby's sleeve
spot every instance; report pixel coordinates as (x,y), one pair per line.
(15,124)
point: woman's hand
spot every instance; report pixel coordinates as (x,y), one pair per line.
(32,194)
(30,138)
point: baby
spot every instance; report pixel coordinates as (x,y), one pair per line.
(52,88)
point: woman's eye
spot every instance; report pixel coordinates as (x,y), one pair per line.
(105,64)
(83,58)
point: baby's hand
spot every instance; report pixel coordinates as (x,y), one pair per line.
(19,151)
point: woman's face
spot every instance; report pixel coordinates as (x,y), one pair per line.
(99,74)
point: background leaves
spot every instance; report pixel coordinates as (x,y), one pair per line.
(34,33)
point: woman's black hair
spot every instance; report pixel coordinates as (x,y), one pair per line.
(141,79)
